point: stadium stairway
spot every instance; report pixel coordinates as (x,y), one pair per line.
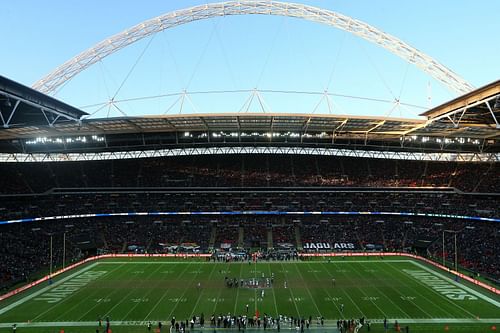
(403,244)
(104,240)
(241,237)
(384,240)
(360,241)
(270,238)
(148,245)
(213,236)
(298,238)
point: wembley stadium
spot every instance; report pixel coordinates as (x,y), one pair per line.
(252,219)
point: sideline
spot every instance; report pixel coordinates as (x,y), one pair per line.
(329,324)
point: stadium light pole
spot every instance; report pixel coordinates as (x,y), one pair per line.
(50,274)
(64,250)
(455,245)
(444,263)
(456,254)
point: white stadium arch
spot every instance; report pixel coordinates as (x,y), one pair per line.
(50,83)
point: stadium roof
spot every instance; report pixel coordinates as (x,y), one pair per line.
(490,90)
(22,107)
(477,111)
(467,123)
(270,122)
(355,126)
(32,122)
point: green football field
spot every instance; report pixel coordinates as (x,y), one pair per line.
(133,291)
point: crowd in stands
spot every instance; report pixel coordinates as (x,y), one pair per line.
(478,246)
(478,241)
(255,233)
(248,171)
(228,234)
(26,249)
(244,183)
(425,202)
(283,233)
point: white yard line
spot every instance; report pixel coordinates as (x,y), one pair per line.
(255,291)
(147,294)
(164,295)
(220,292)
(414,303)
(108,313)
(41,291)
(375,304)
(345,293)
(329,296)
(274,294)
(363,276)
(290,289)
(309,292)
(238,290)
(183,293)
(201,293)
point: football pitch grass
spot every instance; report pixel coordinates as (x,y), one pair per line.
(133,291)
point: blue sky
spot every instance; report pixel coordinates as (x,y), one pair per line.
(247,52)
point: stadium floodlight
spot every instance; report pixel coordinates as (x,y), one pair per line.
(59,140)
